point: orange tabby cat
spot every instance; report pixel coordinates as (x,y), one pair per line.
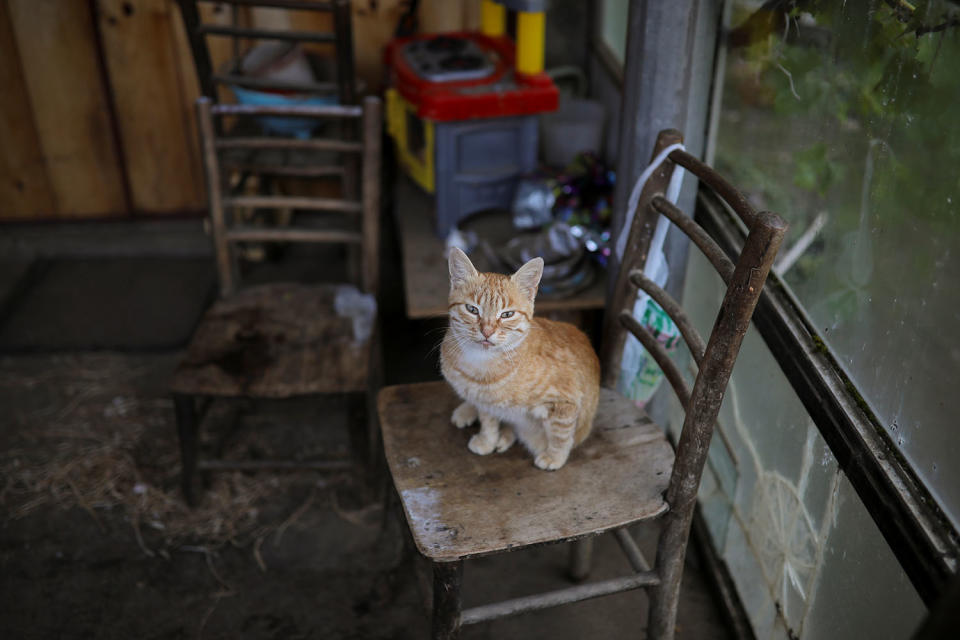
(540,376)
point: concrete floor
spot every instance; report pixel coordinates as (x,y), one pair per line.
(318,556)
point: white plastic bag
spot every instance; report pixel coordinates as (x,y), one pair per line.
(640,376)
(360,307)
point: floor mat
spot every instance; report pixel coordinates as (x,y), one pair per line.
(107,303)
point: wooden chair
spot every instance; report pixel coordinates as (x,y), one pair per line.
(281,340)
(275,163)
(460,506)
(341,37)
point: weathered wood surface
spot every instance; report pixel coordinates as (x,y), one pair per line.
(153,112)
(69,106)
(462,505)
(274,341)
(25,191)
(425,273)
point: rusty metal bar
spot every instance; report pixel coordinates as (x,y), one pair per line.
(731,325)
(278,465)
(652,345)
(265,34)
(313,144)
(253,234)
(694,342)
(569,595)
(631,550)
(737,201)
(370,193)
(294,202)
(711,250)
(254,82)
(307,5)
(304,111)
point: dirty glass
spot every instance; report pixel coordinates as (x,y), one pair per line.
(613,27)
(844,117)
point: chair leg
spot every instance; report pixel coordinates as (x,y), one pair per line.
(671,552)
(663,608)
(187,430)
(581,556)
(447,577)
(665,597)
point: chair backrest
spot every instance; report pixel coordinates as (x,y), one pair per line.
(714,357)
(360,225)
(341,37)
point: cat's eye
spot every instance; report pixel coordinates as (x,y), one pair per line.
(472,309)
(507,314)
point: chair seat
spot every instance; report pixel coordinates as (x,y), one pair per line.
(461,505)
(274,341)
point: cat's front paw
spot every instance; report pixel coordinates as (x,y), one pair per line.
(506,439)
(464,415)
(550,461)
(481,445)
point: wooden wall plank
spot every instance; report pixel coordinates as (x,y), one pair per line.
(438,16)
(374,23)
(153,114)
(58,55)
(25,190)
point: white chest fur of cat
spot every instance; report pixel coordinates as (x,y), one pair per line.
(520,376)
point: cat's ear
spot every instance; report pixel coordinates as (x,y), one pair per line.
(461,269)
(527,278)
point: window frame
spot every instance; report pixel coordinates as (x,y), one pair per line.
(921,537)
(602,49)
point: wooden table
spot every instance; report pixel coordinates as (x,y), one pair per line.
(425,276)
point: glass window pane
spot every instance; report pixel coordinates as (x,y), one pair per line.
(613,27)
(844,120)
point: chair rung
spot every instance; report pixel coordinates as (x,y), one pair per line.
(312,171)
(306,110)
(280,465)
(556,598)
(631,550)
(319,144)
(267,34)
(293,202)
(280,4)
(266,83)
(253,234)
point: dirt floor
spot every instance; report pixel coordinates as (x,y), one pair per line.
(96,542)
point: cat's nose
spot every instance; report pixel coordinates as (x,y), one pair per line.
(486,330)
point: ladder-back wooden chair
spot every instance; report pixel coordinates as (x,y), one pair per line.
(460,506)
(273,164)
(341,37)
(283,339)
